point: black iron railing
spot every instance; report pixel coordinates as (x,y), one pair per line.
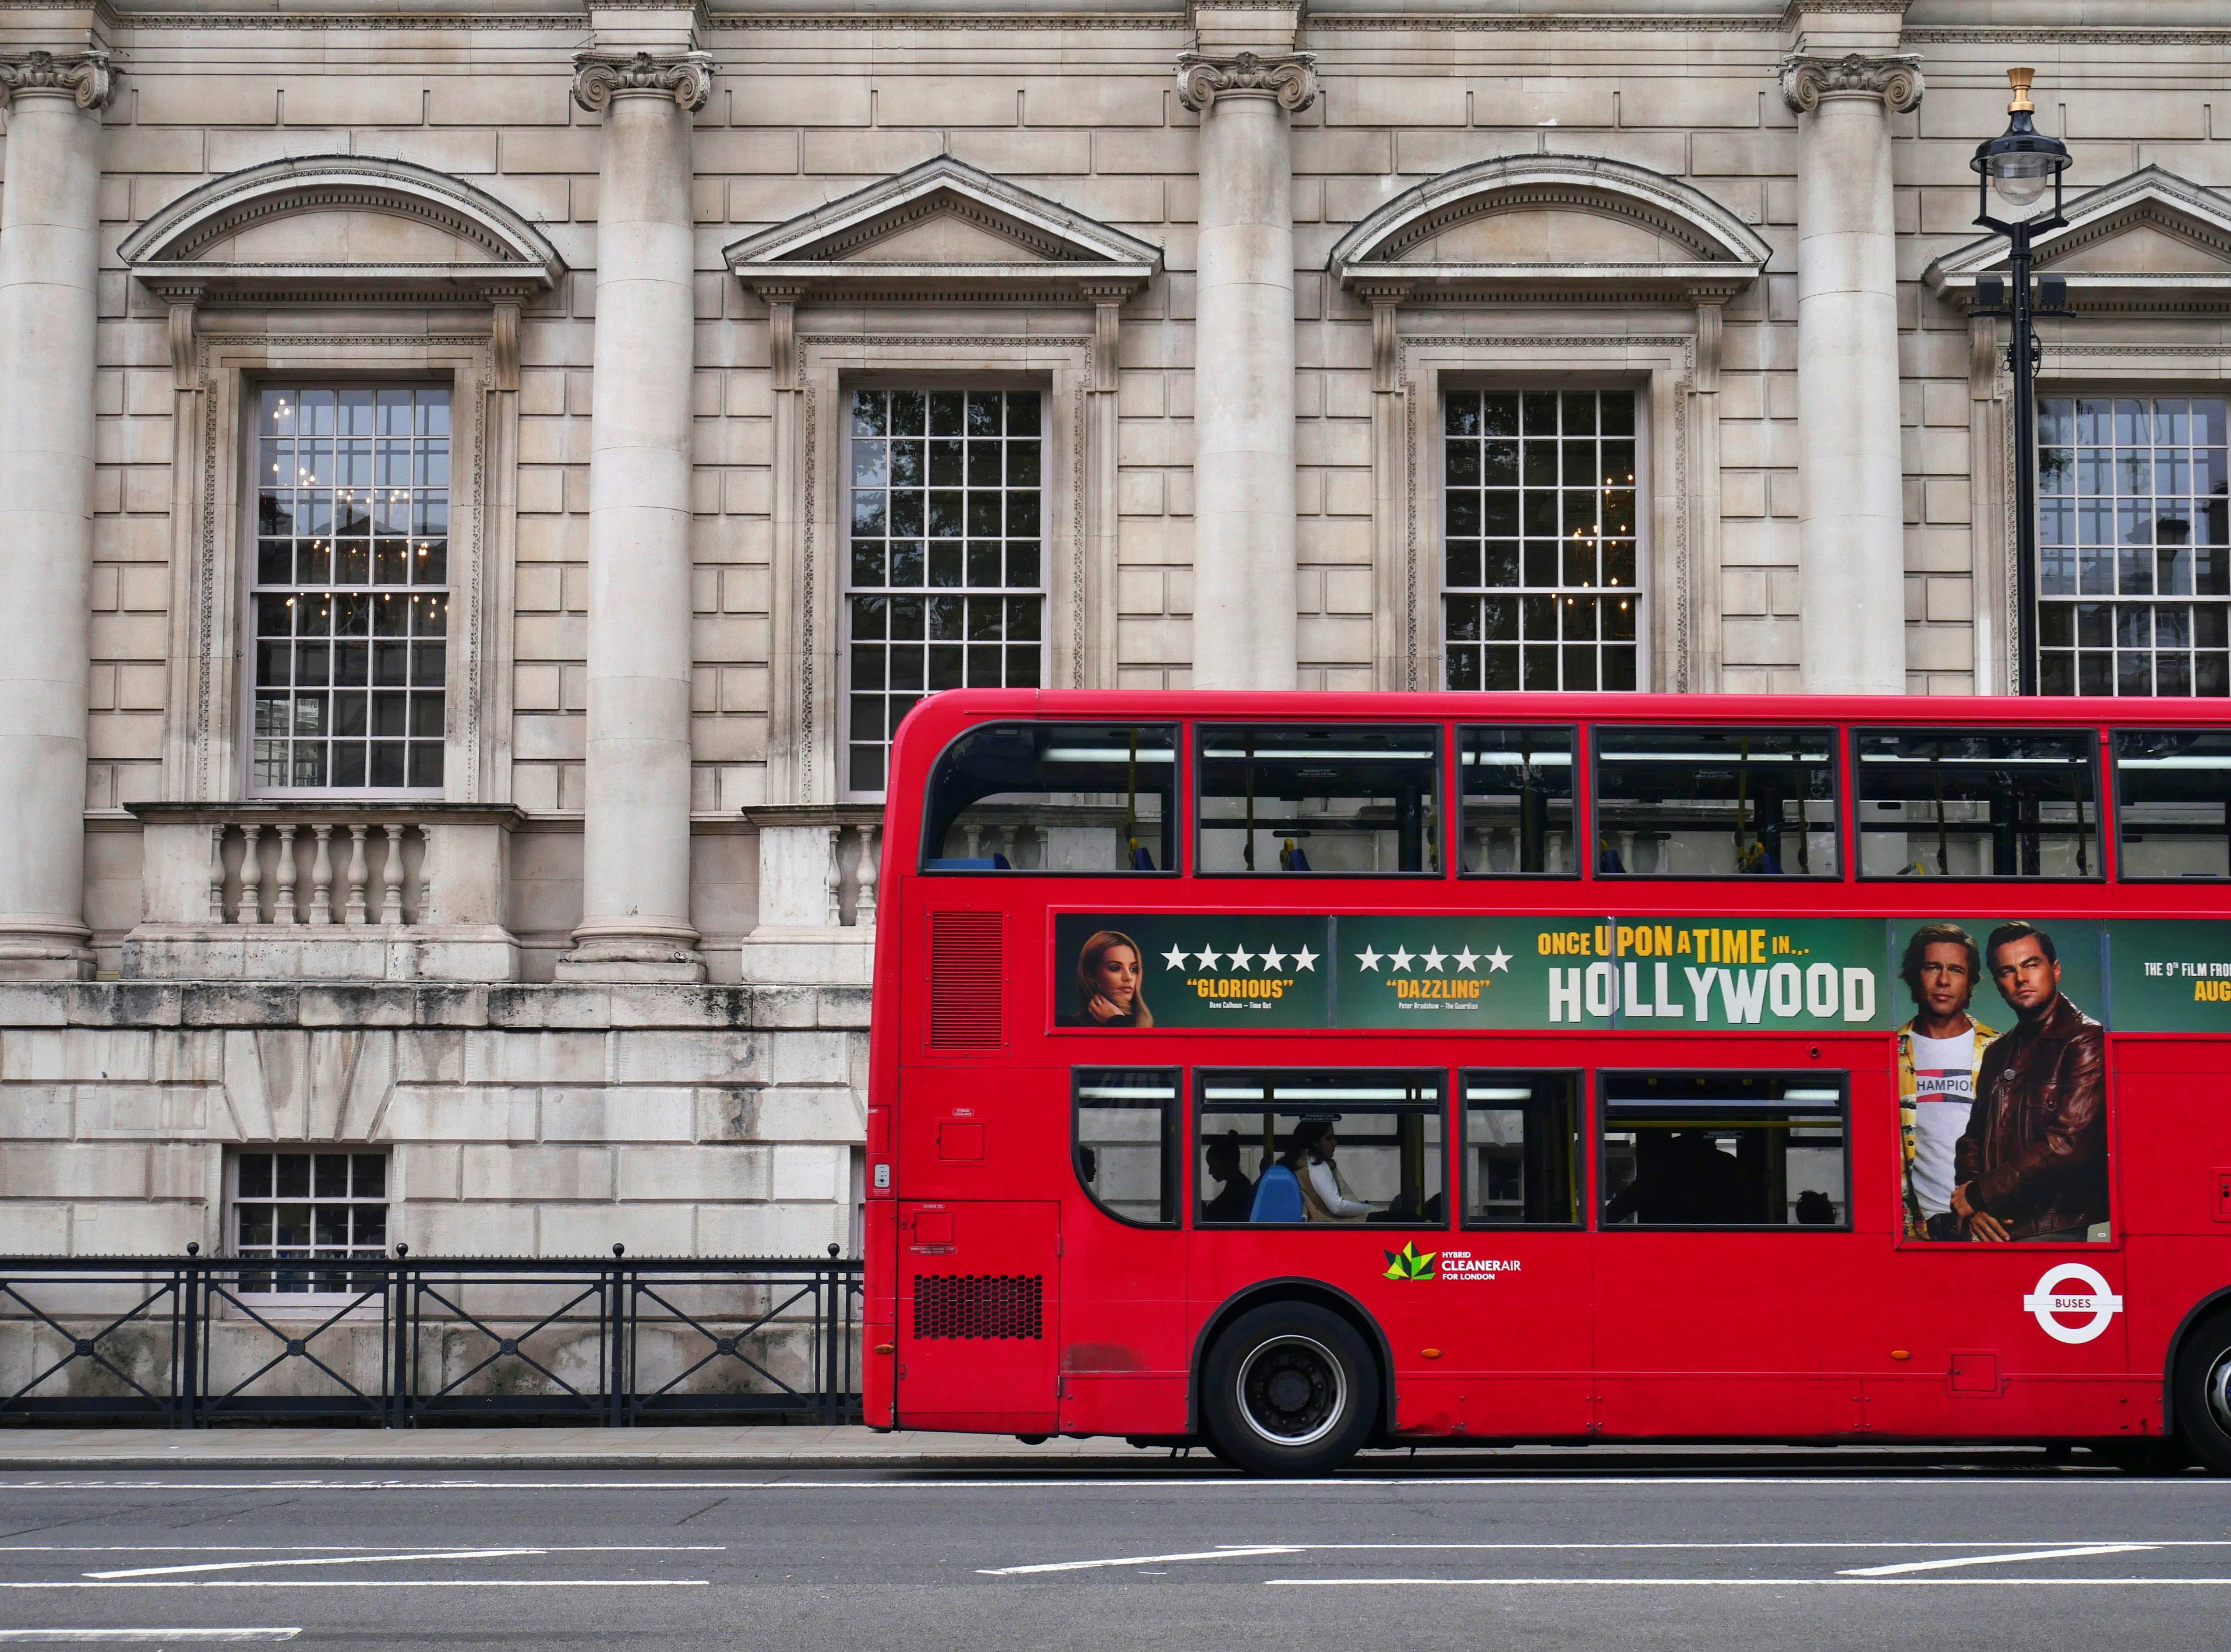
(190,1341)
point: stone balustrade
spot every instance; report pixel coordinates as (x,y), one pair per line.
(289,891)
(818,869)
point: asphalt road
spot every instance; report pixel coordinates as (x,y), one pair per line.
(1817,1551)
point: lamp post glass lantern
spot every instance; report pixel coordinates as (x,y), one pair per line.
(2016,166)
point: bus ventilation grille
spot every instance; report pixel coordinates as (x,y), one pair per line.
(965,984)
(992,1307)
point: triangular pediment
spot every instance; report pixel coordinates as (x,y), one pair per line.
(938,224)
(2149,239)
(315,226)
(1552,223)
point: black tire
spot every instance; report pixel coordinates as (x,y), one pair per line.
(2202,1388)
(1290,1388)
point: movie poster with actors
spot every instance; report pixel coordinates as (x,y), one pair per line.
(2002,1088)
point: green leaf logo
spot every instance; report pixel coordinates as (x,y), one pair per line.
(1410,1263)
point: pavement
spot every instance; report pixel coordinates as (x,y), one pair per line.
(753,1446)
(779,1447)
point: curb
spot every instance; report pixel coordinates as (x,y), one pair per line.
(575,1460)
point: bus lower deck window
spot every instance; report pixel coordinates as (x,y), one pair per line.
(1309,1148)
(1723,1150)
(1126,1146)
(2173,804)
(1715,802)
(1284,797)
(1522,1149)
(1515,790)
(1955,804)
(1072,798)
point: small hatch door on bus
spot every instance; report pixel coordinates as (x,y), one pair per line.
(979,1300)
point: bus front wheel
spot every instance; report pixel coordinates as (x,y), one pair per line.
(1290,1389)
(2203,1394)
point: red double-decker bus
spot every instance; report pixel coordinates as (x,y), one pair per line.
(1297,1072)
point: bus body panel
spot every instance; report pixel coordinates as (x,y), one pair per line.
(979,1312)
(1592,1332)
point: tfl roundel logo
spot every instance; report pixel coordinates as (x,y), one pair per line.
(2078,1292)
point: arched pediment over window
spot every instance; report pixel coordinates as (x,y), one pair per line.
(1571,225)
(319,226)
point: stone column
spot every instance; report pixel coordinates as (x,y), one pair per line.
(634,851)
(1852,542)
(48,253)
(1244,596)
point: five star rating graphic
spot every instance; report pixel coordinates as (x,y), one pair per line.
(1274,958)
(1401,960)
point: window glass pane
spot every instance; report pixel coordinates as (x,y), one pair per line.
(1522,1149)
(307,1206)
(1126,1143)
(1944,804)
(1709,803)
(1723,1150)
(1338,1146)
(1517,801)
(943,587)
(2173,803)
(340,523)
(1540,550)
(1078,798)
(1343,800)
(2134,551)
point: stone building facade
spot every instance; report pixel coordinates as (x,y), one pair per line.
(477,486)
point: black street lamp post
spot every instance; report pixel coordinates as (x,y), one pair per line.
(2017,165)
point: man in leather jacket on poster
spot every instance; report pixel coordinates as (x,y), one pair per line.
(2033,1163)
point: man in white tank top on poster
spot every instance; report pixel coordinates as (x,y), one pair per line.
(1940,1052)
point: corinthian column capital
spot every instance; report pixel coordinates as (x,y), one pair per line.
(1290,77)
(1806,79)
(599,77)
(83,76)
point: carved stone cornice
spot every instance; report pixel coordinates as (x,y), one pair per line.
(1290,77)
(1807,78)
(599,77)
(84,77)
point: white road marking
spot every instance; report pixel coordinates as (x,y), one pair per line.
(377,1583)
(1996,1559)
(157,1636)
(1749,1582)
(2105,1545)
(374,1549)
(326,1560)
(1140,1560)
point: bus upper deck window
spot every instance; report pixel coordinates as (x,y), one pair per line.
(1348,801)
(2173,803)
(1715,802)
(1515,793)
(1065,797)
(1958,803)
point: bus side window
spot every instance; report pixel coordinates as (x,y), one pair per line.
(1957,803)
(1723,1150)
(1320,1146)
(1126,1143)
(1522,1149)
(1716,802)
(1071,798)
(1516,794)
(1341,799)
(2173,804)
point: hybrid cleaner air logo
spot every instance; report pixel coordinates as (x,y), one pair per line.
(1410,1263)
